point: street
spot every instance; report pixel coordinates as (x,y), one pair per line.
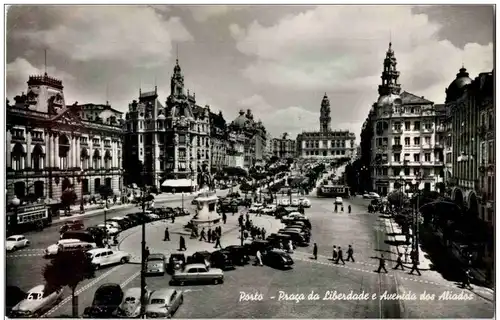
(366,232)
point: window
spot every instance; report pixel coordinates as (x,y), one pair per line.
(18,133)
(491,152)
(396,171)
(416,141)
(95,141)
(182,139)
(427,172)
(407,125)
(427,157)
(83,140)
(397,141)
(416,157)
(385,141)
(428,125)
(491,121)
(416,126)
(407,171)
(97,185)
(342,152)
(427,141)
(384,171)
(407,141)
(397,126)
(397,157)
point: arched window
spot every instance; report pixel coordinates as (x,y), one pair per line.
(39,189)
(37,157)
(18,157)
(97,185)
(20,189)
(84,158)
(96,159)
(107,159)
(64,147)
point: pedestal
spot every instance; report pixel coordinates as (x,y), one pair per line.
(206,210)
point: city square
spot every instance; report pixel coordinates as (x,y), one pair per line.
(150,189)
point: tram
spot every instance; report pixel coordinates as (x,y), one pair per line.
(333,191)
(28,217)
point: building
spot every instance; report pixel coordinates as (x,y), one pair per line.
(255,137)
(218,142)
(404,137)
(236,149)
(170,144)
(444,140)
(325,144)
(283,147)
(52,146)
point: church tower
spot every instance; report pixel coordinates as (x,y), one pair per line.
(325,119)
(177,82)
(390,75)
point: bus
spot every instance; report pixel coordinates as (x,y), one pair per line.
(333,191)
(28,217)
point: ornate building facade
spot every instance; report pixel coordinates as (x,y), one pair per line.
(283,147)
(325,144)
(255,137)
(219,142)
(52,146)
(404,145)
(173,142)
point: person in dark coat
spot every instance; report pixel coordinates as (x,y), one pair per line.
(224,217)
(182,244)
(315,251)
(173,218)
(209,235)
(334,253)
(217,242)
(342,209)
(399,262)
(340,256)
(414,266)
(350,253)
(349,208)
(146,252)
(263,232)
(381,264)
(202,235)
(167,235)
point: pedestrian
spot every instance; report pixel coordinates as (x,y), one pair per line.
(167,235)
(340,257)
(290,246)
(466,279)
(334,253)
(258,257)
(381,264)
(146,252)
(173,217)
(240,220)
(399,262)
(182,244)
(315,251)
(263,232)
(350,253)
(209,235)
(217,242)
(202,235)
(341,208)
(414,266)
(224,217)
(248,217)
(349,208)
(335,209)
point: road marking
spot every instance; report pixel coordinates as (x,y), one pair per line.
(82,289)
(132,277)
(25,255)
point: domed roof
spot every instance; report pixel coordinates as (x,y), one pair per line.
(161,116)
(389,100)
(241,121)
(456,87)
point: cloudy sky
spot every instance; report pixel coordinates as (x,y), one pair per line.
(276,60)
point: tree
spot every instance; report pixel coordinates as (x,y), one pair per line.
(105,192)
(68,198)
(68,269)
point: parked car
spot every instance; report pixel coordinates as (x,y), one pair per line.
(123,222)
(285,202)
(261,245)
(72,225)
(238,254)
(277,259)
(338,200)
(16,242)
(156,263)
(176,262)
(255,207)
(114,224)
(198,272)
(110,229)
(221,259)
(164,303)
(103,257)
(89,236)
(107,299)
(200,257)
(306,203)
(298,238)
(13,295)
(36,303)
(270,209)
(130,306)
(291,216)
(295,202)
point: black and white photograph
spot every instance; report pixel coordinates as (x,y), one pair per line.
(236,161)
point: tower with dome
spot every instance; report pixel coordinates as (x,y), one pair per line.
(254,137)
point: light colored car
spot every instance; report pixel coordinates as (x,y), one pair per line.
(114,224)
(255,207)
(16,242)
(293,216)
(285,202)
(366,196)
(198,272)
(153,216)
(131,303)
(53,249)
(374,195)
(295,202)
(306,203)
(164,303)
(35,304)
(109,228)
(156,263)
(269,209)
(103,257)
(338,200)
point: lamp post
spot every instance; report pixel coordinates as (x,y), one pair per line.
(417,188)
(82,209)
(15,202)
(143,255)
(402,185)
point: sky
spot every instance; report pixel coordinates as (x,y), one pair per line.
(276,60)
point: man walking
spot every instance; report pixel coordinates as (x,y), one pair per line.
(334,253)
(340,256)
(209,235)
(258,256)
(399,263)
(349,208)
(263,232)
(202,235)
(217,242)
(182,244)
(224,217)
(381,264)
(167,235)
(414,266)
(350,253)
(315,251)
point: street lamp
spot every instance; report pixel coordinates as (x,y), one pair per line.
(143,254)
(15,202)
(402,186)
(82,209)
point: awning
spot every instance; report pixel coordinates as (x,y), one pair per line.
(178,183)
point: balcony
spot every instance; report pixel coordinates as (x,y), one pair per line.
(438,146)
(427,147)
(397,147)
(427,130)
(397,130)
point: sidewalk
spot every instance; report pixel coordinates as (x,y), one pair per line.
(130,240)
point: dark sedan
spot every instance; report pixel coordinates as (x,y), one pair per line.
(277,259)
(221,259)
(176,262)
(238,254)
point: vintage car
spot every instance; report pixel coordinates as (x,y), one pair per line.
(164,303)
(131,304)
(103,257)
(107,298)
(110,229)
(295,202)
(277,259)
(306,203)
(198,272)
(222,259)
(238,254)
(156,263)
(15,242)
(72,225)
(36,304)
(176,262)
(291,216)
(200,257)
(270,209)
(13,295)
(256,207)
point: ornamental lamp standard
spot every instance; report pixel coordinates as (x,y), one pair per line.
(402,186)
(15,202)
(143,254)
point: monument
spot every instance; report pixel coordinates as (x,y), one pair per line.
(206,209)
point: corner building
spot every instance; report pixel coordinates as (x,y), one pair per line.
(52,146)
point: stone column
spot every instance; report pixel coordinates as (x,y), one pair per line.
(50,152)
(9,149)
(28,149)
(78,153)
(57,161)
